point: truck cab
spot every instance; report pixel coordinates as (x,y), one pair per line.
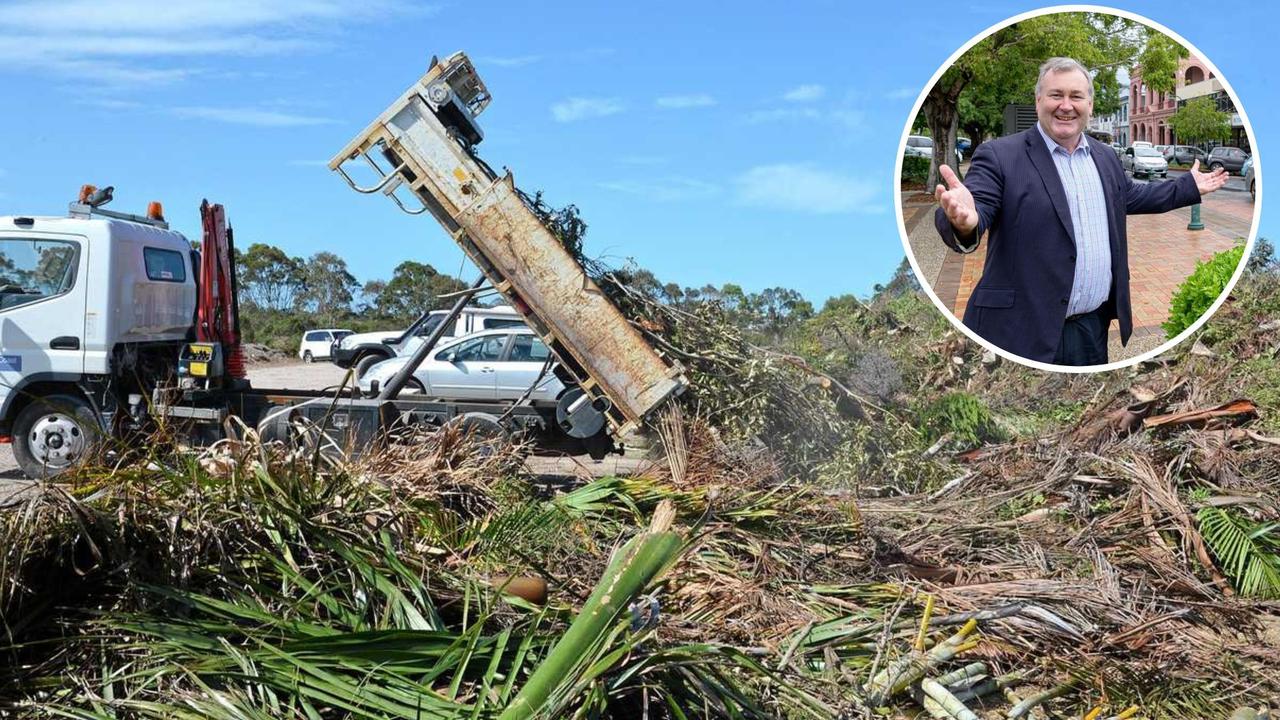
(89,303)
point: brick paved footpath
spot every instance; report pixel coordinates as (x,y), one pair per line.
(1162,253)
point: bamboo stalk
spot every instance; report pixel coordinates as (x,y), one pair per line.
(924,622)
(1024,707)
(909,670)
(954,707)
(967,675)
(641,560)
(989,686)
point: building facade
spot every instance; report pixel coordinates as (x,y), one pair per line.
(1149,111)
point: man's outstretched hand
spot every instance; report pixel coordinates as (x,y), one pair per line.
(957,202)
(1207,182)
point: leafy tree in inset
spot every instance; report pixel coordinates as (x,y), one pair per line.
(1200,121)
(1002,69)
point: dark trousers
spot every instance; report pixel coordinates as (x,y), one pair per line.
(1084,340)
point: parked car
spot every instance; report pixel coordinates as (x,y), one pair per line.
(919,146)
(1140,143)
(1144,161)
(922,146)
(1118,148)
(1230,158)
(488,365)
(316,344)
(1249,178)
(1183,154)
(362,351)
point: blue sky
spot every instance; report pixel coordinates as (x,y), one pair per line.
(751,142)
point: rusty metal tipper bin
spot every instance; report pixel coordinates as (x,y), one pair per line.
(422,146)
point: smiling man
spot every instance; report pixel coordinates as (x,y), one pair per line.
(1052,203)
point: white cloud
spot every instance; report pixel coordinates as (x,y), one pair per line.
(678,102)
(118,42)
(578,108)
(782,114)
(805,189)
(804,93)
(147,16)
(902,93)
(667,189)
(508,62)
(249,116)
(111,104)
(124,46)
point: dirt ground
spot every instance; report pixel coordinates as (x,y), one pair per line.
(297,375)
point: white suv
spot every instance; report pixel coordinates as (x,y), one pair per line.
(316,343)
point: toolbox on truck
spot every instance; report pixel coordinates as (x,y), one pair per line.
(425,140)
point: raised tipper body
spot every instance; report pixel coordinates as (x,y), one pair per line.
(424,144)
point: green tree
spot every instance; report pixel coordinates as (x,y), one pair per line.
(269,278)
(1159,62)
(1200,121)
(327,289)
(370,292)
(1002,68)
(413,288)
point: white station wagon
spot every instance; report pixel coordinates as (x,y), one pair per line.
(489,365)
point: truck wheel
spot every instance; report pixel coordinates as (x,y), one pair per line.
(308,357)
(489,436)
(54,434)
(367,362)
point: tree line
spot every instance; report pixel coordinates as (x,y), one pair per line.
(323,288)
(282,296)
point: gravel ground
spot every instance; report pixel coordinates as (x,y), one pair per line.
(296,375)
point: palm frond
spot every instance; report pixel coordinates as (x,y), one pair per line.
(1248,552)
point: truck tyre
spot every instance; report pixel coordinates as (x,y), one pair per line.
(308,357)
(367,362)
(54,434)
(489,436)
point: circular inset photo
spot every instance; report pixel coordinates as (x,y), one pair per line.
(1078,189)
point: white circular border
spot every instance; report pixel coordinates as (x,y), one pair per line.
(1120,364)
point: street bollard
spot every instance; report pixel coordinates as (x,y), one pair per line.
(1196,224)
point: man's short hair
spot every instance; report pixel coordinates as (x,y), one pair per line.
(1062,64)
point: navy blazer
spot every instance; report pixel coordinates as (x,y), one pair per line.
(1020,304)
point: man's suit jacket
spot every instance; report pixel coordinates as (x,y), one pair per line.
(1020,304)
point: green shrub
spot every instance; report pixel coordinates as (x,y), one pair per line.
(915,170)
(1201,289)
(963,416)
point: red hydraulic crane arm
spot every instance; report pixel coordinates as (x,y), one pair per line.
(218,304)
